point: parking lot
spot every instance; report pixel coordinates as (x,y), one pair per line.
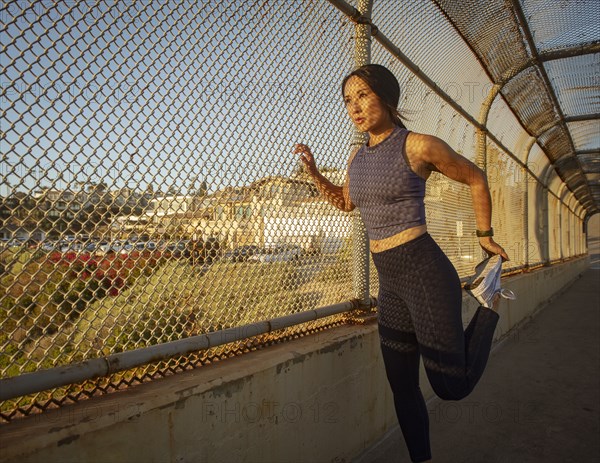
(184,248)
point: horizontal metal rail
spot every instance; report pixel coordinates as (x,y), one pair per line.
(580,118)
(42,380)
(570,52)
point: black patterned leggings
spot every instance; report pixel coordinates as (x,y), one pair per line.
(420,301)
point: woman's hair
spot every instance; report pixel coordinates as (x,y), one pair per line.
(384,84)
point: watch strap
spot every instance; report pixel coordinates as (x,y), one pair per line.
(483,233)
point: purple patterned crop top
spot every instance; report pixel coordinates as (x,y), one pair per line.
(386,191)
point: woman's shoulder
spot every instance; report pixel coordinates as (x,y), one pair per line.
(420,144)
(421,139)
(353,154)
(419,149)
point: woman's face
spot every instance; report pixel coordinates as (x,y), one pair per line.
(364,107)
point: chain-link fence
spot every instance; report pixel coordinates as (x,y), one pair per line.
(149,193)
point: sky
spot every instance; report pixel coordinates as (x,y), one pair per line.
(167,93)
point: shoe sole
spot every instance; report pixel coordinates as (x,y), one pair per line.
(482,270)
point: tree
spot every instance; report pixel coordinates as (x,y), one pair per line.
(202,189)
(172,191)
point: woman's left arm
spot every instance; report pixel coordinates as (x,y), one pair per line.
(435,155)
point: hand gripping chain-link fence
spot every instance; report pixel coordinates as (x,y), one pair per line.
(149,193)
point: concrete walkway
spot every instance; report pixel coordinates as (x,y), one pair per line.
(538,401)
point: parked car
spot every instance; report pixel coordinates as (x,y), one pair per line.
(61,245)
(241,254)
(71,246)
(50,246)
(15,242)
(122,247)
(103,247)
(204,251)
(282,253)
(211,249)
(145,246)
(92,247)
(179,249)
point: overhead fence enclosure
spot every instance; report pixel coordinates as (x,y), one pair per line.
(153,215)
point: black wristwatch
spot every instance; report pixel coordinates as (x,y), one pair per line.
(481,234)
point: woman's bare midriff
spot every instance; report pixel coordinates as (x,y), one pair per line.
(399,238)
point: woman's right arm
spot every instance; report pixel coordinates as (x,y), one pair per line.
(336,195)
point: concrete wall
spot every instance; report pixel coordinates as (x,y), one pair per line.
(323,398)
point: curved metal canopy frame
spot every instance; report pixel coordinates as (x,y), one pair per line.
(552,91)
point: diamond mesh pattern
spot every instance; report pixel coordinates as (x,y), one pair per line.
(148,188)
(575,82)
(586,135)
(562,24)
(495,34)
(446,59)
(535,110)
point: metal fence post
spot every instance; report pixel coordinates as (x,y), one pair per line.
(481,156)
(526,258)
(362,56)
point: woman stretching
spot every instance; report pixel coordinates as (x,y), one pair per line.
(420,297)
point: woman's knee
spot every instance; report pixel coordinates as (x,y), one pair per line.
(447,387)
(401,368)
